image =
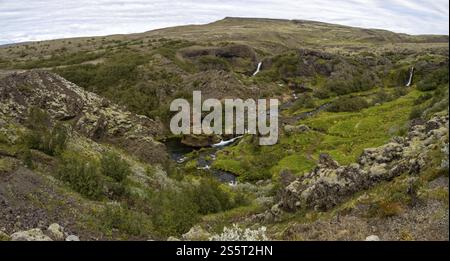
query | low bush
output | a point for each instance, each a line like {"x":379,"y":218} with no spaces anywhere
{"x":423,"y":98}
{"x":114,"y":167}
{"x":42,"y":135}
{"x":126,"y":221}
{"x":210,"y":198}
{"x":304,"y":101}
{"x":416,"y":113}
{"x":433,"y":80}
{"x":81,"y":174}
{"x":348,"y":104}
{"x":381,"y":97}
{"x":174,"y":212}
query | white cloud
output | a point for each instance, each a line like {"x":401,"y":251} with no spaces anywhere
{"x":25,"y":20}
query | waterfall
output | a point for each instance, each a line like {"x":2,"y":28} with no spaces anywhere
{"x":258,"y":68}
{"x":224,"y":143}
{"x":411,"y":74}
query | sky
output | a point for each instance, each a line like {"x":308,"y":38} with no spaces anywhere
{"x":34,"y":20}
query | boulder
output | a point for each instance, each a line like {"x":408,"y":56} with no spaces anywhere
{"x":290,"y":129}
{"x":30,"y":235}
{"x":432,"y":125}
{"x":173,"y":239}
{"x":72,"y":238}
{"x":378,"y":170}
{"x":56,"y":231}
{"x":196,"y":233}
{"x":325,"y":161}
{"x":372,"y":238}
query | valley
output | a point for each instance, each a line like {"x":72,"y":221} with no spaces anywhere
{"x":362,"y":151}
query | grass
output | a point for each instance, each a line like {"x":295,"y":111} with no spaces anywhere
{"x":343,"y":135}
{"x":60,"y":60}
{"x":6,"y":165}
{"x":347,"y":134}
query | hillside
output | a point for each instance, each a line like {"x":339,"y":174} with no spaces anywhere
{"x":363,"y":146}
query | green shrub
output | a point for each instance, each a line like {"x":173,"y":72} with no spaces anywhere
{"x":81,"y":174}
{"x":400,"y":91}
{"x":416,"y":113}
{"x":58,"y":60}
{"x":27,"y":158}
{"x":423,"y":98}
{"x":115,"y":167}
{"x":42,"y":136}
{"x":382,"y":96}
{"x":348,"y":104}
{"x":173,"y":212}
{"x":210,"y":198}
{"x":427,"y":85}
{"x":304,"y":101}
{"x":322,"y":93}
{"x":287,"y":66}
{"x":117,"y":191}
{"x":126,"y":221}
{"x":433,"y":80}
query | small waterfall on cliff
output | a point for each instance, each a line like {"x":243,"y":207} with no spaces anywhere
{"x":224,"y":143}
{"x":411,"y":74}
{"x":258,"y":68}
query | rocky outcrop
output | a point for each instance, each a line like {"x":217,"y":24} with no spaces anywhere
{"x":56,"y":231}
{"x":330,"y":183}
{"x":291,"y":129}
{"x":72,"y":238}
{"x":196,"y":233}
{"x":372,"y":238}
{"x":53,"y":232}
{"x":89,"y":114}
{"x":240,"y":57}
{"x":227,"y":52}
{"x":35,"y":234}
{"x":200,"y":141}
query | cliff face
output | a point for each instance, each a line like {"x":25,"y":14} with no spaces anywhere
{"x":89,"y":114}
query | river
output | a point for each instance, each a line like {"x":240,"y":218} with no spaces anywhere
{"x":205,"y":157}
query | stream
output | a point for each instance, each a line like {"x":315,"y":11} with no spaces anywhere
{"x":303,"y":115}
{"x":206,"y":156}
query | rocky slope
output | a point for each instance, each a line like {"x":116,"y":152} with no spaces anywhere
{"x":330,"y":184}
{"x":89,"y":114}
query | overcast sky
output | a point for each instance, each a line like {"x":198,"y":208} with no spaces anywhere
{"x":28,"y":20}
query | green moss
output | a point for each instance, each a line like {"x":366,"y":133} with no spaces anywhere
{"x":229,"y":165}
{"x":191,"y":165}
{"x":296,"y":163}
